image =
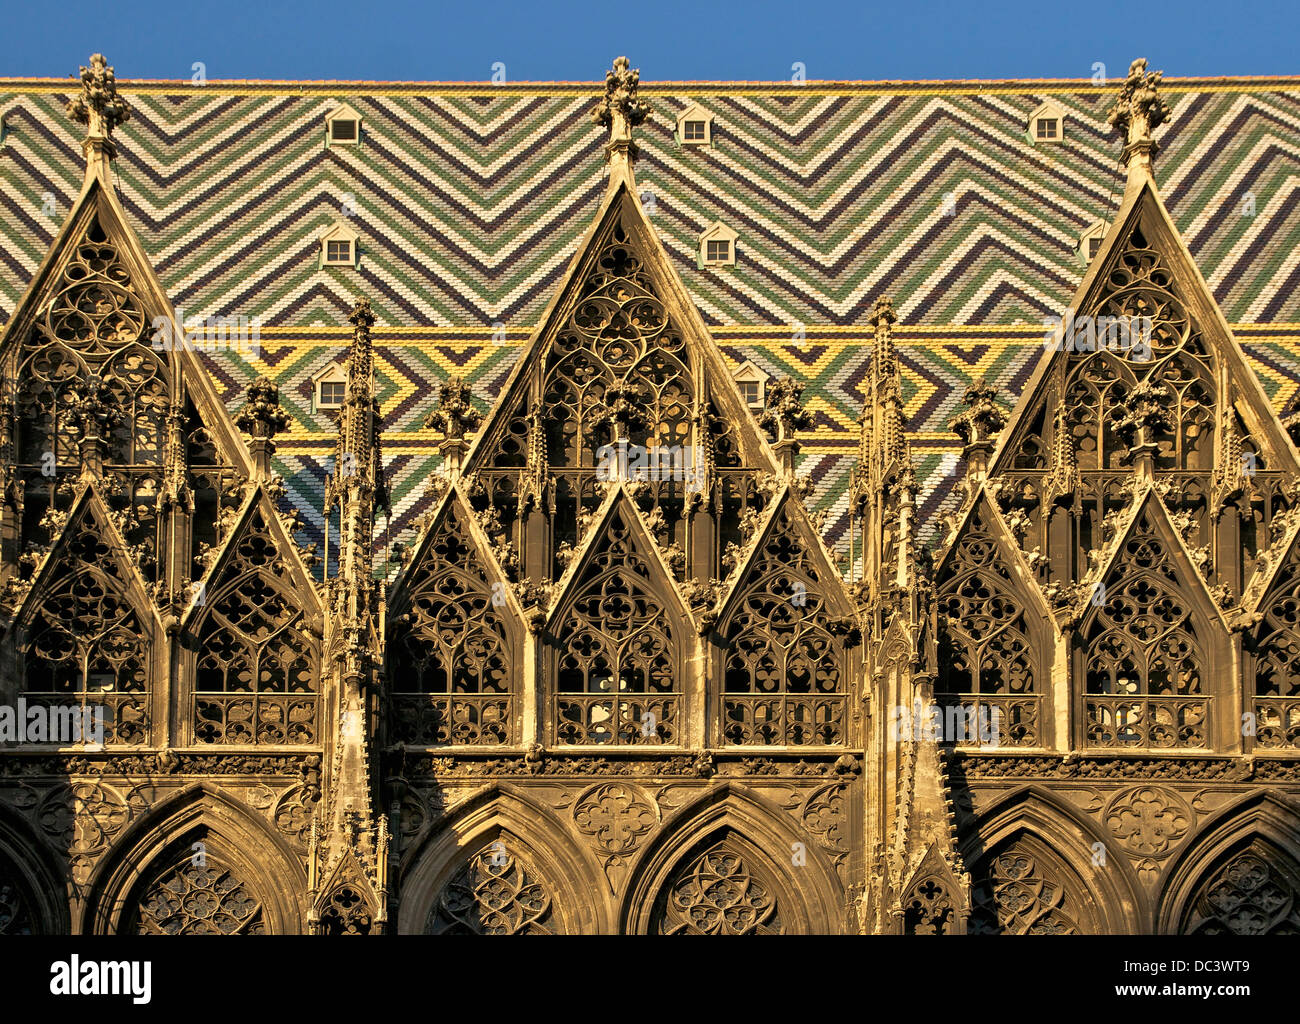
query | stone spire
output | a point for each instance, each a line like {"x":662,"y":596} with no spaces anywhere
{"x":1138,"y":111}
{"x":884,"y":483}
{"x":886,"y":397}
{"x":356,"y":485}
{"x":100,"y":109}
{"x":348,"y":854}
{"x":620,"y":110}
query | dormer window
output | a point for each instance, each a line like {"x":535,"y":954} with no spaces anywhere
{"x":717,"y":246}
{"x":338,"y":246}
{"x":329,"y":385}
{"x":1047,"y":124}
{"x":752,"y":383}
{"x":694,"y":126}
{"x":1090,"y":242}
{"x":343,"y":127}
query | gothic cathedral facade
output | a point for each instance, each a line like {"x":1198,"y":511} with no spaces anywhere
{"x":619,"y":683}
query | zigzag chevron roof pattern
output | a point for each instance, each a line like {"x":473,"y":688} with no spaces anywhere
{"x":469,"y":201}
{"x":468,"y":205}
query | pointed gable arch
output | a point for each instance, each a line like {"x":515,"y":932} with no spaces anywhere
{"x":252,"y":636}
{"x":1152,"y":646}
{"x":617,"y":639}
{"x":346,"y":906}
{"x":621,"y":316}
{"x":456,"y":638}
{"x":781,"y":640}
{"x":546,"y":880}
{"x":96,"y":307}
{"x":1030,"y":857}
{"x":107,"y":383}
{"x":933,"y":900}
{"x":724,"y":840}
{"x":1143,"y":330}
{"x":249,"y":881}
{"x":86,"y":629}
{"x":1145,"y":271}
{"x":620,"y":350}
{"x":1239,"y":875}
{"x":1272,"y":650}
{"x":995,"y":633}
{"x":617,"y":332}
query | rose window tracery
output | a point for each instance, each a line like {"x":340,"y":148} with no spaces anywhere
{"x":495,"y":893}
{"x":716,"y":894}
{"x":199,"y":900}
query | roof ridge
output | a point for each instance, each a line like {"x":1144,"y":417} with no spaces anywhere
{"x":666,"y":85}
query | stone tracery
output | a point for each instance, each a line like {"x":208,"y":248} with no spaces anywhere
{"x":656,"y":638}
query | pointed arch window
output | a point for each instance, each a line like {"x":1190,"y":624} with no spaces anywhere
{"x":450,"y":653}
{"x":189,"y":895}
{"x":783,"y":660}
{"x":1273,"y":654}
{"x":1141,"y":654}
{"x":256,"y":664}
{"x":616,"y":650}
{"x":988,"y":669}
{"x":717,"y":892}
{"x":85,"y":645}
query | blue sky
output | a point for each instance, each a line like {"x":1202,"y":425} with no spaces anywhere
{"x":667,"y":39}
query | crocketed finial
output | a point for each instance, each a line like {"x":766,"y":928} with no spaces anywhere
{"x":100,"y":109}
{"x":620,"y":110}
{"x":1139,"y":110}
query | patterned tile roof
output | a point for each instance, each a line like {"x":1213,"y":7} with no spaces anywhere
{"x":469,"y":200}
